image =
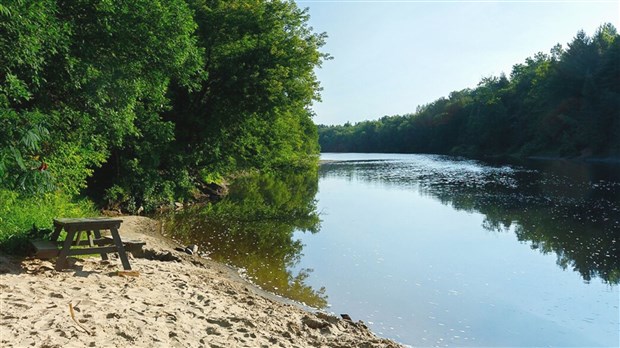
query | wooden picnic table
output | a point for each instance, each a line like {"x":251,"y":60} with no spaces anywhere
{"x":75,"y":229}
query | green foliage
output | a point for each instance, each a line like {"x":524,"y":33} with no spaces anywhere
{"x":252,"y":110}
{"x":21,"y":216}
{"x":562,"y":104}
{"x":149,"y":98}
{"x":117,"y":76}
{"x":21,"y":140}
{"x":123,"y":56}
{"x":29,"y":36}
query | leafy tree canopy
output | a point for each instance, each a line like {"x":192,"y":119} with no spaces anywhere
{"x":140,"y":101}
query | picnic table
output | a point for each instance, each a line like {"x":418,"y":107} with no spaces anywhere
{"x":75,"y":229}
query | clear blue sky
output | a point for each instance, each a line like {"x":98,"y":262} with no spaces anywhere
{"x":391,"y":56}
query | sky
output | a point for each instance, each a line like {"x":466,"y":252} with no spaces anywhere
{"x":390,"y":56}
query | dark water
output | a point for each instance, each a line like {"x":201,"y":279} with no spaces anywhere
{"x":432,"y":250}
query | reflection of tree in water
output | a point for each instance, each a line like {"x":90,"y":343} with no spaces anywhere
{"x":583,"y":234}
{"x":576,"y":217}
{"x":253,"y":226}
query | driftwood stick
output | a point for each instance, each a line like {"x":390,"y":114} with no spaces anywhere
{"x":73,"y":317}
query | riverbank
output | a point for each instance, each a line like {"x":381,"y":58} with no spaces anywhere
{"x":177,"y":300}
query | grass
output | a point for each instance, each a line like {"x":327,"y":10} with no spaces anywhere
{"x":24,"y":217}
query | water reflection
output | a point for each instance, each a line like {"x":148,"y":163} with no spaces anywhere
{"x":252,"y":228}
{"x":570,"y":209}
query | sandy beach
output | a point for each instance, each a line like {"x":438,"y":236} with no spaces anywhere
{"x":176,"y":300}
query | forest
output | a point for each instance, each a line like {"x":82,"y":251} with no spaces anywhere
{"x":562,"y":104}
{"x":135,"y":104}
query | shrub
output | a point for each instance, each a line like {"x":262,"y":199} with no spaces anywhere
{"x":22,"y":217}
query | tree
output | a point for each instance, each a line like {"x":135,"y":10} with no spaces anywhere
{"x":30,"y":36}
{"x":93,"y":75}
{"x":253,"y":109}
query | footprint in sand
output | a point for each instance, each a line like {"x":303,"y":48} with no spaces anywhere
{"x":221,"y":322}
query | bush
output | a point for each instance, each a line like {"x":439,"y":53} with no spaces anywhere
{"x":22,"y":217}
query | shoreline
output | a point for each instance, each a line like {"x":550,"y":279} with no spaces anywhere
{"x":611,"y":160}
{"x":177,"y":300}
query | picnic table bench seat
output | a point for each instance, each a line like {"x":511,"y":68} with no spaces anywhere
{"x":47,"y":249}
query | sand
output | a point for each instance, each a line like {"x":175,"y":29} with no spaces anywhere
{"x":177,"y":300}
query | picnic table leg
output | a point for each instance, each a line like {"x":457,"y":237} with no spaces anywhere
{"x":66,"y":246}
{"x":121,"y":249}
{"x":56,"y":234}
{"x":104,"y":256}
{"x":91,"y":242}
{"x":78,"y":238}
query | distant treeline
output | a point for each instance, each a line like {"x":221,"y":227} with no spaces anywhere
{"x":565,"y":103}
{"x":139,"y":102}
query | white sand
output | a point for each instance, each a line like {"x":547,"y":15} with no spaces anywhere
{"x":191,"y":302}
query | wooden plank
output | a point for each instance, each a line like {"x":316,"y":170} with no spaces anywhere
{"x":91,"y":240}
{"x":61,"y":262}
{"x":131,"y":245}
{"x":44,"y":244}
{"x":121,"y":249}
{"x":84,"y":224}
{"x":96,"y":242}
{"x":48,"y":244}
{"x":128,"y":242}
{"x":89,"y":251}
{"x":45,"y":249}
{"x":65,"y":221}
{"x":97,"y":233}
{"x":78,"y":237}
{"x":56,"y":234}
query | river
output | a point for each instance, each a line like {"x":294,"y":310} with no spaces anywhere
{"x":432,"y":250}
